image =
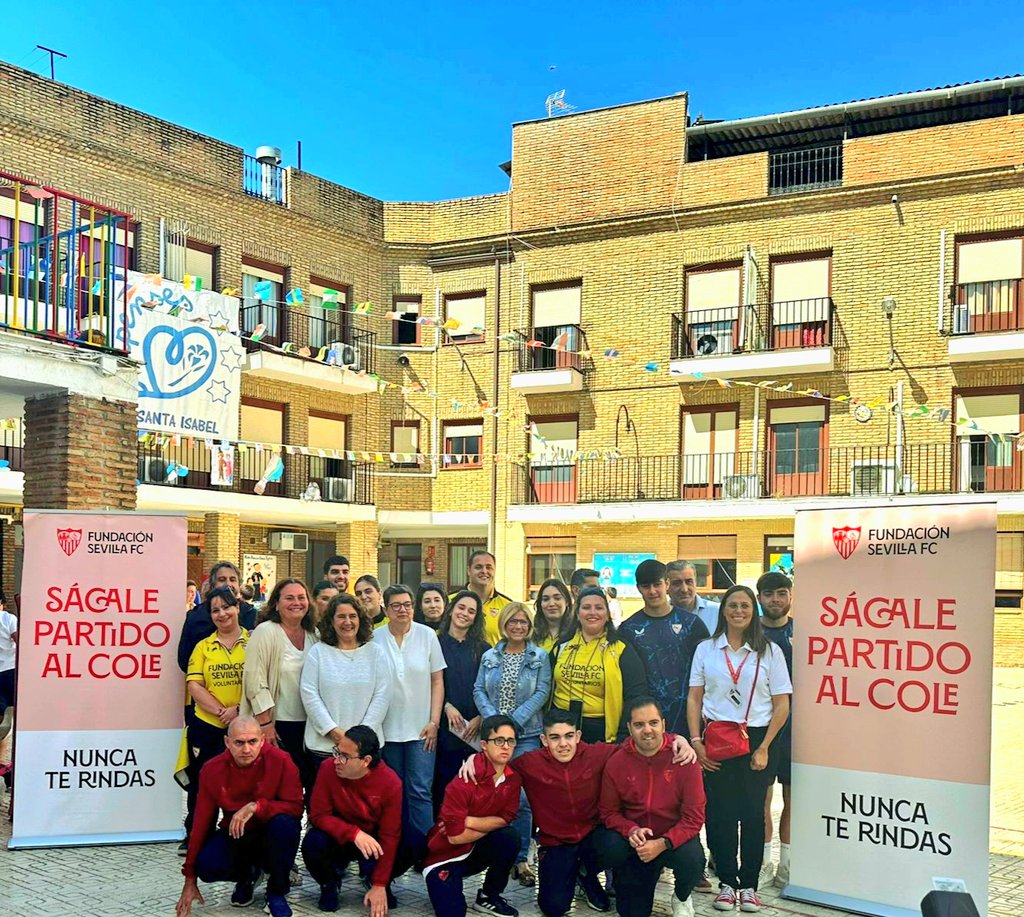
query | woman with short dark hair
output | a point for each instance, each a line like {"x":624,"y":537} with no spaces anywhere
{"x":430,"y":605}
{"x":346,"y":679}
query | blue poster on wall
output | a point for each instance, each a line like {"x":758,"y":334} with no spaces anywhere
{"x":619,"y":570}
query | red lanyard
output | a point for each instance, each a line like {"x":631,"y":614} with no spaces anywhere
{"x":734,"y":673}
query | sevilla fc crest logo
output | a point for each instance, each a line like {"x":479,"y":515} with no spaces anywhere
{"x":846,"y":539}
{"x":69,"y":540}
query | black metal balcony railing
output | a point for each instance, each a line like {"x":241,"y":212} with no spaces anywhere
{"x":746,"y":329}
{"x":353,"y":347}
{"x":263,"y":180}
{"x":550,"y":347}
{"x":11,"y":450}
{"x":339,"y":480}
{"x":856,"y":471}
{"x":805,"y":170}
{"x":986,"y":306}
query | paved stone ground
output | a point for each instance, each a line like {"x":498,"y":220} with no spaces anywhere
{"x":145,"y":879}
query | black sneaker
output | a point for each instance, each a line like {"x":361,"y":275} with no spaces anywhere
{"x":183,"y":848}
{"x":493,"y":904}
{"x":242,"y":895}
{"x":328,"y":897}
{"x":597,"y":898}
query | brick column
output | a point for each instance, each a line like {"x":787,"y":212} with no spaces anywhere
{"x":80,"y":453}
{"x":358,"y":542}
{"x":222,"y":539}
{"x":509,"y":553}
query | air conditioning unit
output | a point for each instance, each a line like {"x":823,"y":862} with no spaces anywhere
{"x":338,"y":490}
{"x":874,"y":477}
{"x":289,"y":541}
{"x":153,"y":471}
{"x":741,"y":486}
{"x":349,"y":355}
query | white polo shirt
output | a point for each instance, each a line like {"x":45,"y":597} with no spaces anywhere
{"x":412,"y":663}
{"x":711,"y":672}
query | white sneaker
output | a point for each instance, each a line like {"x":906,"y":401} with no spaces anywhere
{"x":782,"y":876}
{"x":767,"y":873}
{"x":682,"y":908}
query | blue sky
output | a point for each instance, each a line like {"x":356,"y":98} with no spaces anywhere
{"x":415,"y":101}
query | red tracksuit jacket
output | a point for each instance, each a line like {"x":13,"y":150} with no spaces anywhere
{"x":271,"y":781}
{"x":653,"y":793}
{"x":342,"y":808}
{"x":479,"y":800}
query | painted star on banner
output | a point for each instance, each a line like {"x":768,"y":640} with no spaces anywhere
{"x":230,"y":358}
{"x":218,"y":391}
{"x":219,"y":318}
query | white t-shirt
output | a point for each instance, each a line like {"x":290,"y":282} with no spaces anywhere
{"x":418,"y":657}
{"x":8,"y":627}
{"x":289,"y":698}
{"x":710,"y":671}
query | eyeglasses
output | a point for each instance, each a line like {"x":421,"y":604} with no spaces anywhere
{"x":341,"y":756}
{"x":515,"y":622}
{"x":501,"y":742}
{"x":400,"y":606}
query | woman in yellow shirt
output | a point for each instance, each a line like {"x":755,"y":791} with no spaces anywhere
{"x":214,"y":682}
{"x":595,"y":674}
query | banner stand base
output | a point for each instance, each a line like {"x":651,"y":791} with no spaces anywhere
{"x":843,"y":903}
{"x":175,"y":835}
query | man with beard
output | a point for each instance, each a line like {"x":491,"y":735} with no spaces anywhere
{"x":775,"y":595}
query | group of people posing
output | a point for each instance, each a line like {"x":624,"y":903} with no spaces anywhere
{"x":445,"y":732}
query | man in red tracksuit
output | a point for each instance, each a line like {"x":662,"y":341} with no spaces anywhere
{"x":653,"y":811}
{"x":473,"y":831}
{"x":355,"y":813}
{"x":562,"y":780}
{"x":257,"y":787}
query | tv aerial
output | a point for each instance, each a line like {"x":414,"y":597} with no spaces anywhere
{"x":555,"y":104}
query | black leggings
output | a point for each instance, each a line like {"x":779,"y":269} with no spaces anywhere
{"x":735,"y":802}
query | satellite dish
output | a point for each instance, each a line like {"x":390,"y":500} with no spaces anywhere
{"x":707,"y":344}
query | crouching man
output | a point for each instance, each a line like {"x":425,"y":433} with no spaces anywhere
{"x":257,"y":788}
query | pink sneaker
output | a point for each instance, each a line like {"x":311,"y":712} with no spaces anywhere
{"x":749,"y":902}
{"x":726,"y":899}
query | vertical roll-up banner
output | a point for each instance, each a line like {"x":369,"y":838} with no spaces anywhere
{"x":892,"y":705}
{"x":99,"y":702}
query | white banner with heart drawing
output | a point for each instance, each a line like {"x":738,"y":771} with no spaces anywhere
{"x":187,"y":341}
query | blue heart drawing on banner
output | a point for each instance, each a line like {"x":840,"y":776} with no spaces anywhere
{"x":188,"y":358}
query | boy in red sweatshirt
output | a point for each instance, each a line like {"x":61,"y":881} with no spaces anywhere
{"x":257,"y":787}
{"x":653,"y":811}
{"x":355,"y":813}
{"x":473,"y":831}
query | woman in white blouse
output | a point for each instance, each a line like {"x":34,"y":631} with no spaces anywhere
{"x":346,"y":679}
{"x":414,"y":714}
{"x":273,"y":668}
{"x":738,"y":676}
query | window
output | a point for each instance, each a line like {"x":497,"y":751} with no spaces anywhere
{"x":987,"y":463}
{"x":463,"y":444}
{"x":801,"y":303}
{"x":468,"y":310}
{"x":988,"y":293}
{"x":556,"y":321}
{"x":260,"y":422}
{"x":778,"y":553}
{"x":328,"y":322}
{"x":708,"y":449}
{"x":549,"y":558}
{"x":328,"y":432}
{"x":200,"y":261}
{"x":410,"y":564}
{"x":712,"y":312}
{"x":458,"y":561}
{"x":552,"y":447}
{"x":405,"y":439}
{"x":266,"y":309}
{"x":713,"y":558}
{"x":1009,"y":569}
{"x":406,"y":328}
{"x":797,"y":440}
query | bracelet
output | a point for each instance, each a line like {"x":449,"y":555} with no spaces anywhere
{"x":695,"y":741}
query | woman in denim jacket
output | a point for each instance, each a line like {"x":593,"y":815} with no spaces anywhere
{"x":515,"y":679}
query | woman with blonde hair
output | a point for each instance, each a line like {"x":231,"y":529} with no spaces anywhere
{"x":515,"y":680}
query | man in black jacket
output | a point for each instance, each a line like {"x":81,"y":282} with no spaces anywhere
{"x":198,"y":624}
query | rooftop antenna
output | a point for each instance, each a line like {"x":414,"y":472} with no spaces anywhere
{"x":555,"y":104}
{"x":52,"y":54}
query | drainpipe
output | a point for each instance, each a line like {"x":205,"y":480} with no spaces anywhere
{"x":492,"y":518}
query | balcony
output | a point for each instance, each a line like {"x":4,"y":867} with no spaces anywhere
{"x":739,"y":341}
{"x":264,"y":180}
{"x":986,"y":321}
{"x":548,"y":359}
{"x":339,"y":480}
{"x":302,"y":349}
{"x":969,"y":466}
{"x":812,"y":169}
